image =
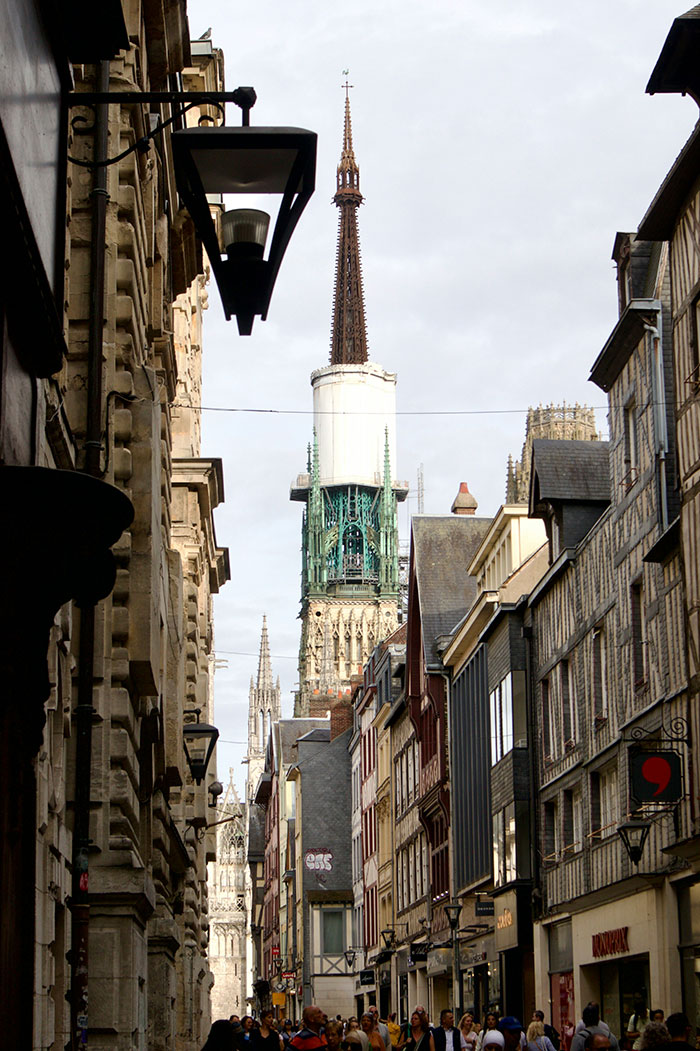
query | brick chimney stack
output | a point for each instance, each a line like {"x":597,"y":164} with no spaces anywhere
{"x":341,"y":716}
{"x":464,"y":503}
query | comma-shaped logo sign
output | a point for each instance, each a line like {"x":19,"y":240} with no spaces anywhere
{"x":319,"y":860}
{"x":655,"y":777}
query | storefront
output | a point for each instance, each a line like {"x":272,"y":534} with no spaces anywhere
{"x":561,"y":981}
{"x":481,"y":980}
{"x":439,"y":972}
{"x":625,"y":951}
{"x":689,"y":944}
{"x":513,"y":940}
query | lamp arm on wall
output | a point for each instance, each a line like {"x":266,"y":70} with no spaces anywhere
{"x":143,"y":144}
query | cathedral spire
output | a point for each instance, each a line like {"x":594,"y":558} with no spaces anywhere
{"x":349,"y":329}
{"x":264,"y":665}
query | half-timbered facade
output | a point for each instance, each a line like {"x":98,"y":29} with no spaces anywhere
{"x":674,"y":217}
{"x":609,"y":675}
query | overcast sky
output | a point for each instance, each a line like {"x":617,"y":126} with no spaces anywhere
{"x":501,"y":146}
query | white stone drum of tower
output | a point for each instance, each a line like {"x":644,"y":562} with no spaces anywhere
{"x":354,"y":407}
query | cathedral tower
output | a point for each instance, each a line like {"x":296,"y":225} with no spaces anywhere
{"x":264,"y":709}
{"x":350,"y":572}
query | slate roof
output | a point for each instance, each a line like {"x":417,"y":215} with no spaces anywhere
{"x":443,"y":547}
{"x":318,"y":734}
{"x":569,"y":470}
{"x":256,"y":831}
{"x":290,"y":730}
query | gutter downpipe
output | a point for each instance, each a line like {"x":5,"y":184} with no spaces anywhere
{"x":84,"y":712}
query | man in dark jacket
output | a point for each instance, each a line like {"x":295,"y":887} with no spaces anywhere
{"x":445,"y":1035}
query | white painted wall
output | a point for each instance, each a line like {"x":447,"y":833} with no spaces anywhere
{"x":353,"y":404}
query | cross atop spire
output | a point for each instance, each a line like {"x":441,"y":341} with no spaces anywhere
{"x":349,"y":329}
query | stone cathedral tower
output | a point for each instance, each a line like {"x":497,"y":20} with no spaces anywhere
{"x":264,"y":709}
{"x":350,"y":568}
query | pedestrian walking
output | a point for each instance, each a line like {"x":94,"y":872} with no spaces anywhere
{"x":638,"y":1021}
{"x":655,"y":1036}
{"x":490,"y":1026}
{"x":446,"y":1036}
{"x":309,"y":1037}
{"x":221,"y":1037}
{"x":418,"y":1037}
{"x":592,"y":1024}
{"x":266,"y":1037}
{"x":467,"y":1033}
{"x":549,"y":1030}
{"x":369,"y":1028}
{"x":536,"y":1038}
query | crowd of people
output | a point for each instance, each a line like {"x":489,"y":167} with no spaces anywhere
{"x":644,"y":1031}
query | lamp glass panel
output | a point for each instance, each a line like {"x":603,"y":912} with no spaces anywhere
{"x":244,"y":171}
{"x":249,"y":225}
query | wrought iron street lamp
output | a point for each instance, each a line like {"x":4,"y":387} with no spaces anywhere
{"x":199,"y":740}
{"x":634,"y":836}
{"x":350,"y":957}
{"x":245,"y":161}
{"x":222,"y":160}
{"x":453,"y":910}
{"x":388,"y":937}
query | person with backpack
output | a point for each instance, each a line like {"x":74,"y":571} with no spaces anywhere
{"x":592,"y":1025}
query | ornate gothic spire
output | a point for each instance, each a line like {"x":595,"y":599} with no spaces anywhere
{"x":349,"y":330}
{"x":264,"y":665}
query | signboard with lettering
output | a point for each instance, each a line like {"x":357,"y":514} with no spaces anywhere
{"x":367,"y":976}
{"x":506,"y":933}
{"x":610,"y":943}
{"x":483,"y":907}
{"x":275,"y":950}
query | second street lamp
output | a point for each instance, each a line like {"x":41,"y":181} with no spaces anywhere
{"x":453,"y":910}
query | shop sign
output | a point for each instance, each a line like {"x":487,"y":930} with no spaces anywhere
{"x":506,"y":921}
{"x":439,"y":961}
{"x":275,"y":950}
{"x":288,"y":976}
{"x":471,"y":957}
{"x":367,"y":976}
{"x":483,"y":907}
{"x":609,"y":943}
{"x":655,"y":776}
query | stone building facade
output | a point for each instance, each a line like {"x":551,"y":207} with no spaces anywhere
{"x":109,"y":268}
{"x":227,"y":878}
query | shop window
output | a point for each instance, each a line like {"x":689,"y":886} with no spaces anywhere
{"x":501,"y":709}
{"x":600,"y":689}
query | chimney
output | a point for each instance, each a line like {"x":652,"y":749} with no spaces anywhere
{"x":341,"y":717}
{"x":464,"y":503}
